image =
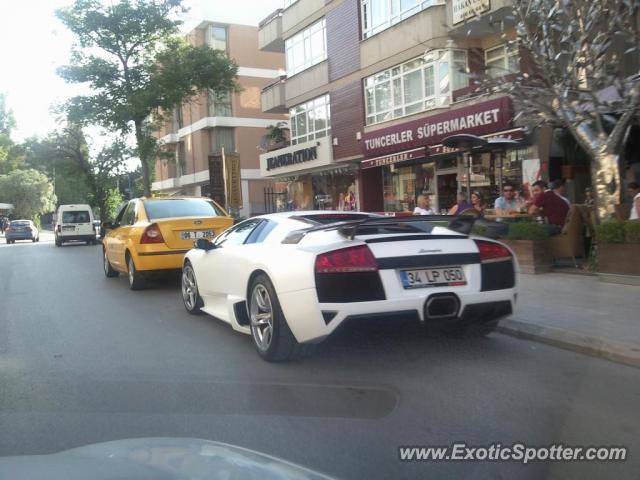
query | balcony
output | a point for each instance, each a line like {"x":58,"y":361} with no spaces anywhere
{"x":270,"y":33}
{"x":488,"y":18}
{"x":273,"y":97}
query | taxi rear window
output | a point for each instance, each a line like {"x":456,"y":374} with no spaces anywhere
{"x":181,"y":207}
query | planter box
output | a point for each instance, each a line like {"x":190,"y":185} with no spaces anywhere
{"x":619,"y":258}
{"x":533,"y":256}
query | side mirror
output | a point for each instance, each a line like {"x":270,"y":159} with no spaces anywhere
{"x":204,"y":244}
{"x":107,"y":226}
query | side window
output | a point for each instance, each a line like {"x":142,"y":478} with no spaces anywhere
{"x":129,"y":214}
{"x":238,"y":234}
{"x":261,"y":231}
{"x":118,"y":220}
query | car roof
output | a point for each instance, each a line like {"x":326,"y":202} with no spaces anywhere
{"x":78,"y":206}
{"x":182,"y":197}
{"x":22,"y":220}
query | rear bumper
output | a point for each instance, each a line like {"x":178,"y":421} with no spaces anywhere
{"x":70,"y":238}
{"x":159,"y":260}
{"x":315,"y":323}
{"x":20,"y":236}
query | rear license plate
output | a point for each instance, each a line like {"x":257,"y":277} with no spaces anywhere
{"x":68,"y":227}
{"x":433,"y":277}
{"x":196,"y":235}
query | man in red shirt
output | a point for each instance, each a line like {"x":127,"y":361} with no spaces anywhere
{"x":551,"y":205}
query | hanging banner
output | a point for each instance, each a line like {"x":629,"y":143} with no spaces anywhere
{"x":465,"y":9}
{"x":234,"y":181}
{"x":216,"y":179}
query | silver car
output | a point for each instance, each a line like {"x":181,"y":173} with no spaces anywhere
{"x":21,"y":230}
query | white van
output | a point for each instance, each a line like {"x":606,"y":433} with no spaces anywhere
{"x":74,"y":222}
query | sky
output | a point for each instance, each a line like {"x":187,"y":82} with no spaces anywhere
{"x":33,"y":43}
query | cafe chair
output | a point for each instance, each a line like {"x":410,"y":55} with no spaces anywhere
{"x":569,"y":243}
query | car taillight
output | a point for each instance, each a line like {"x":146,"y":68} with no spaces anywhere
{"x":350,"y":259}
{"x":152,"y":234}
{"x":492,"y":252}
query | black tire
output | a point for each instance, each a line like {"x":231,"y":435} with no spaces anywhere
{"x":106,"y":266}
{"x":58,"y":242}
{"x":189,"y":288}
{"x":34,"y":240}
{"x":137,"y":280}
{"x":282,"y":345}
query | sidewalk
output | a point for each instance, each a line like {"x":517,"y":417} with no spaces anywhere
{"x":579,"y":313}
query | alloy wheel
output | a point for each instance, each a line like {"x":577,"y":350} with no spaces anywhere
{"x":131,"y":271}
{"x":261,"y":313}
{"x":189,"y":288}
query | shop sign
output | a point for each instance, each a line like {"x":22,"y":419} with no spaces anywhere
{"x":479,"y":119}
{"x":515,"y":134}
{"x":296,"y":158}
{"x":395,"y":158}
{"x":464,"y":9}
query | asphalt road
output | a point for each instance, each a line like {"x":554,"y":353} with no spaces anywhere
{"x":85,"y":360}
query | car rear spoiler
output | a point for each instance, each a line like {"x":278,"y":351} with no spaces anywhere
{"x":458,"y":223}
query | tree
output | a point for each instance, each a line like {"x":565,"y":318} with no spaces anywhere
{"x":66,"y":152}
{"x":9,"y":158}
{"x":580,"y":54}
{"x":30,"y":191}
{"x":127,"y":52}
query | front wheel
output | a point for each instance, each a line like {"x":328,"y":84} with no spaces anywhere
{"x":190,"y":295}
{"x":271,"y":334}
{"x":106,"y":264}
{"x":137,"y":280}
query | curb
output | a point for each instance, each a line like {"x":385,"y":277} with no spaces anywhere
{"x":576,"y":342}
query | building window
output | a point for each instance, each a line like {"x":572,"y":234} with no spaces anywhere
{"x":219,"y":104}
{"x":378,"y":15}
{"x":222,"y":137}
{"x":502,"y":60}
{"x":310,"y":120}
{"x":306,"y":48}
{"x":415,"y":86}
{"x":217,"y":37}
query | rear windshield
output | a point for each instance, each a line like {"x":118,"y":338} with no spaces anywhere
{"x":19,"y":223}
{"x":80,"y":216}
{"x":181,"y":207}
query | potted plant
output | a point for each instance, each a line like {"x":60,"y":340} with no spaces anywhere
{"x":276,"y":136}
{"x":618,"y":247}
{"x":528,"y":240}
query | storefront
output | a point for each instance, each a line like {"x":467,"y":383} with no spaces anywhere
{"x":412,"y":161}
{"x":307,"y":178}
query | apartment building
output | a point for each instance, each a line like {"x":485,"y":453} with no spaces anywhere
{"x":373,"y":87}
{"x":235,"y":122}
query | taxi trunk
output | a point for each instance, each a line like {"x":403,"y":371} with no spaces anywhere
{"x":181,"y":233}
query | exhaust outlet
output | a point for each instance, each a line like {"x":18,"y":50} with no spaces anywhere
{"x":442,"y":306}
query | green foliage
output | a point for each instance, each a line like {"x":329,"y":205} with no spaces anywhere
{"x":610,"y":232}
{"x":136,"y":67}
{"x":30,"y":191}
{"x":480,"y":230}
{"x":114,"y":200}
{"x":527,"y":231}
{"x":632,"y":231}
{"x":10,"y":158}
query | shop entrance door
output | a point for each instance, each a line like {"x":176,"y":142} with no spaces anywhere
{"x":447,"y":190}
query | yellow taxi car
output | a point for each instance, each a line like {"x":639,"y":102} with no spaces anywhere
{"x":152,"y":234}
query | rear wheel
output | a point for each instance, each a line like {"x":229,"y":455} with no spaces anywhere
{"x":190,"y":294}
{"x":137,"y":280}
{"x":58,"y":241}
{"x":271,"y":334}
{"x":106,"y":264}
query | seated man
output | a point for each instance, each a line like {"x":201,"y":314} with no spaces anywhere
{"x":507,"y":204}
{"x":549,"y":204}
